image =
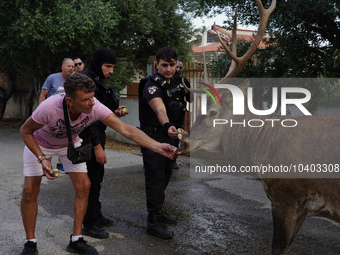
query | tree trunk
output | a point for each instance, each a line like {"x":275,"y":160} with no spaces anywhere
{"x":30,"y":101}
{"x":5,"y":96}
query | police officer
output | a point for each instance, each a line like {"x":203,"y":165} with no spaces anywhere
{"x":181,"y":97}
{"x":176,"y":100}
{"x":157,"y":93}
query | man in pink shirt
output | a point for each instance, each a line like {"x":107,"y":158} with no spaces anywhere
{"x":44,"y":134}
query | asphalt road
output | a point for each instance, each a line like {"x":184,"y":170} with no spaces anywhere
{"x":216,"y":216}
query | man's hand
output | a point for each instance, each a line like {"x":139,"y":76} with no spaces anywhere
{"x":168,"y":150}
{"x":120,"y":112}
{"x":172,"y":132}
{"x":47,"y":169}
{"x":100,"y":154}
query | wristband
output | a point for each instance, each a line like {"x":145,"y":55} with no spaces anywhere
{"x":39,"y":158}
{"x":166,"y":127}
{"x":43,"y":159}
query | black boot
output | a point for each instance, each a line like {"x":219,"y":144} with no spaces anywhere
{"x":95,"y":232}
{"x":167,"y":218}
{"x":156,"y":227}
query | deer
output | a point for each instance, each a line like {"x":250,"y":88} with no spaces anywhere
{"x":313,"y":141}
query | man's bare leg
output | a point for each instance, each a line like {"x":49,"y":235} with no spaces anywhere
{"x":81,"y":185}
{"x":29,"y":204}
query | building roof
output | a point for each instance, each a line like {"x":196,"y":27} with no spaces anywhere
{"x":210,"y":47}
{"x":212,"y":43}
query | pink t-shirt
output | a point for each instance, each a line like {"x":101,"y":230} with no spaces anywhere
{"x":50,"y":113}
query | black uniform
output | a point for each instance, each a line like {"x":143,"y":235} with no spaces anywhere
{"x":107,"y":96}
{"x":178,"y":98}
{"x":158,"y":169}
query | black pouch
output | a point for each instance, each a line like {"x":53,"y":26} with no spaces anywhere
{"x":80,"y":154}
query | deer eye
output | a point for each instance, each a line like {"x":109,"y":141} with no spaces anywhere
{"x":213,"y":113}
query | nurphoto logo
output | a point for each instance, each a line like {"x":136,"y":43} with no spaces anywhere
{"x":238,"y":100}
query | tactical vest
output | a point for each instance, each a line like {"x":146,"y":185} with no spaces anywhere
{"x":174,"y":101}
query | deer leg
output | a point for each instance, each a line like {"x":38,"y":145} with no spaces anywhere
{"x":300,"y":220}
{"x":287,"y":222}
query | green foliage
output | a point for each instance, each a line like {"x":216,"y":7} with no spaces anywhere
{"x":38,"y":35}
{"x":307,"y":32}
{"x":253,"y":68}
{"x":305,"y":40}
{"x":336,"y":56}
{"x":122,"y":74}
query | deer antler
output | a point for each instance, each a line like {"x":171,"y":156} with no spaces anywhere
{"x":190,"y":89}
{"x":239,"y":62}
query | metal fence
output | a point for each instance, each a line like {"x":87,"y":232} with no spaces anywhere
{"x":194,"y":72}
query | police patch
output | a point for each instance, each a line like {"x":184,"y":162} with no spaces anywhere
{"x":152,"y":89}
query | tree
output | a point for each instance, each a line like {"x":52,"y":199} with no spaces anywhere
{"x":304,"y":39}
{"x":38,"y":34}
{"x":306,"y":32}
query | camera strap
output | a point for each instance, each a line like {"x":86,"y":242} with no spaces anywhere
{"x":67,"y":122}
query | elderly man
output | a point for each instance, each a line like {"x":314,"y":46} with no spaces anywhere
{"x":44,"y":134}
{"x":54,"y":84}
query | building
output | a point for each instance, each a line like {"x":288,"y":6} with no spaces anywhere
{"x":212,"y":46}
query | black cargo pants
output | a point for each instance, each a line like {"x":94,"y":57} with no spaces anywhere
{"x":157,"y":170}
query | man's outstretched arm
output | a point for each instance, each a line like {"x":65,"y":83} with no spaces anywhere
{"x":140,"y":137}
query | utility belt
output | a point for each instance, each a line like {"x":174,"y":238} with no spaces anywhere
{"x":149,"y":130}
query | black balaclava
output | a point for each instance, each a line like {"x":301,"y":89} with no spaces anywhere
{"x":100,"y":57}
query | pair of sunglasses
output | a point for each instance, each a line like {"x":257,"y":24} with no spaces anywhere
{"x":78,"y":64}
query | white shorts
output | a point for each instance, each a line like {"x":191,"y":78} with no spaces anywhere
{"x":33,"y":168}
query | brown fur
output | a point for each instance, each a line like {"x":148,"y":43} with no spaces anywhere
{"x":315,"y":140}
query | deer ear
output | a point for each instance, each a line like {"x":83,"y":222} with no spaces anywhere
{"x":244,"y":86}
{"x":226,"y":98}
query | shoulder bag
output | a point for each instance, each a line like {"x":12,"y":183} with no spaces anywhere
{"x":76,"y":155}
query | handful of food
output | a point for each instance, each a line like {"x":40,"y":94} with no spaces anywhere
{"x":180,"y":133}
{"x":178,"y":151}
{"x":54,"y":173}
